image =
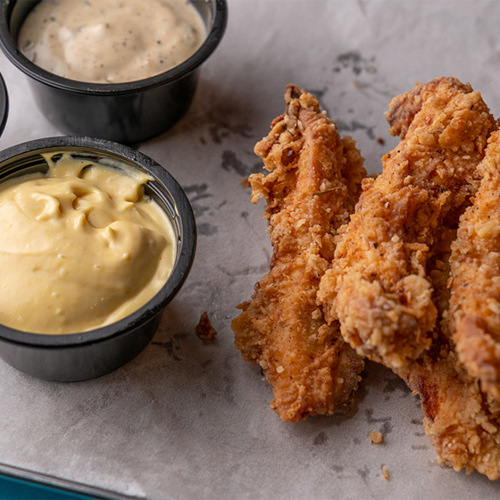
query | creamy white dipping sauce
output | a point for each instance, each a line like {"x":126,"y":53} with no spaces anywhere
{"x":111,"y":41}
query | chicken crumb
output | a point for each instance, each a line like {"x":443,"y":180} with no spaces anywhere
{"x":376,"y":437}
{"x":386,"y":474}
{"x":204,"y":328}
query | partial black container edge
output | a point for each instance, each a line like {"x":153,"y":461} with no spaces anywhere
{"x":129,"y":112}
{"x":86,"y":355}
{"x":4,"y":105}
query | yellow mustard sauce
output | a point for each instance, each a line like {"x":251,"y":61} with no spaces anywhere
{"x":80,"y":247}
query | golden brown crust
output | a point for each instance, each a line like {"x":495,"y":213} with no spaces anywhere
{"x":378,"y":285}
{"x":462,"y":423}
{"x":310,"y":189}
{"x":426,"y":185}
{"x":391,"y":268}
{"x":462,"y":420}
{"x":475,"y":278}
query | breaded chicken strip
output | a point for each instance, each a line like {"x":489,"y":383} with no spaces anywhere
{"x":312,"y":185}
{"x":378,"y":285}
{"x":475,"y":280}
{"x":462,"y":422}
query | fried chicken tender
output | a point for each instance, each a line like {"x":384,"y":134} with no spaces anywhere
{"x":475,"y":280}
{"x":462,"y":422}
{"x":312,"y":185}
{"x":378,"y":285}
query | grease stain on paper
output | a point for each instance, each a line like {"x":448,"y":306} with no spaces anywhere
{"x":354,"y":61}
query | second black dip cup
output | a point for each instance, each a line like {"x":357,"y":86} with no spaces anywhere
{"x":129,"y":112}
{"x":89,"y":354}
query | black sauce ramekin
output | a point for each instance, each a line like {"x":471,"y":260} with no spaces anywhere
{"x":85,"y":355}
{"x":129,"y":112}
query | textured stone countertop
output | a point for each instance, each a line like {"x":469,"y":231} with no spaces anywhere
{"x":191,"y":420}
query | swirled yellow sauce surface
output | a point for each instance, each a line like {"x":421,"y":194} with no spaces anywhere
{"x":80,"y":247}
{"x":111,"y":41}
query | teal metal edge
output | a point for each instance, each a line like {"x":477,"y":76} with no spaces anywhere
{"x":22,"y":484}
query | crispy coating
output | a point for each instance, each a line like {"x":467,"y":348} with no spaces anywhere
{"x":378,"y":286}
{"x":463,"y":423}
{"x":461,"y":420}
{"x":475,"y":279}
{"x":312,"y":185}
{"x":419,"y":199}
{"x":389,"y":281}
{"x":204,"y":328}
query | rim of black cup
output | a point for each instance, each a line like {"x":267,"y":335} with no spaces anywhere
{"x":4,"y":104}
{"x":11,"y":50}
{"x":163,"y":183}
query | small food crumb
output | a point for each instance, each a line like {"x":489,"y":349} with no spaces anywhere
{"x":376,"y":437}
{"x":204,"y":328}
{"x":386,"y":474}
{"x":381,"y":141}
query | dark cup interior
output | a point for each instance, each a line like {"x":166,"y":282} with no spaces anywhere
{"x":84,"y":355}
{"x":128,"y":112}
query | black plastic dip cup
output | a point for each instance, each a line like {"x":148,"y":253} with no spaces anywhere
{"x":128,"y":112}
{"x":85,"y":355}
